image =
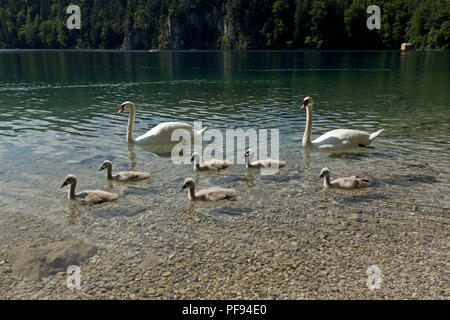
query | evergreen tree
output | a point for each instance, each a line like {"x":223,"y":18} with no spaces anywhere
{"x":225,"y":24}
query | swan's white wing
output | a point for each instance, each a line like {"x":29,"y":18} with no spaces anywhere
{"x":162,"y":132}
{"x":342,"y":139}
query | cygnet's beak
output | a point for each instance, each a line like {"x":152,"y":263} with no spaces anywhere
{"x":63,"y":184}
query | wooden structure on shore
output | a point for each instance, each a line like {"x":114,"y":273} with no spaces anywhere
{"x":407,"y":46}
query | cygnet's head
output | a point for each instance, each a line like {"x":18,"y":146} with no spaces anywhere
{"x":249,"y":153}
{"x":325,"y":172}
{"x":106,"y":164}
{"x":195,"y":156}
{"x":70,"y":179}
{"x":188,"y":183}
{"x":127,"y":105}
{"x":307,"y":102}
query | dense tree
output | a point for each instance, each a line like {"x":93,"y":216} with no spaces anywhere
{"x":225,"y":24}
{"x":430,"y":24}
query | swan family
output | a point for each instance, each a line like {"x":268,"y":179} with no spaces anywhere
{"x":339,"y":139}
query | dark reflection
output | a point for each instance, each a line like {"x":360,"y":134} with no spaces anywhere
{"x":350,"y":155}
{"x":132,"y":156}
{"x":190,"y":211}
{"x":74,"y":214}
{"x":410,"y":179}
{"x":249,"y":179}
{"x":359,"y":197}
{"x":196,"y":177}
{"x":230,"y":211}
{"x":307,"y":171}
{"x":161,"y":150}
{"x":109,"y":185}
{"x":324,"y":202}
{"x":110,"y":211}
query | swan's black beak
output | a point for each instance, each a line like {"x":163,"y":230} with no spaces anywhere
{"x":321,"y":176}
{"x":63,"y":184}
{"x":192,"y":159}
{"x":122,"y":109}
{"x":182,"y":188}
{"x":101,"y":168}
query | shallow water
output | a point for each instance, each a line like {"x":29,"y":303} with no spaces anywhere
{"x":59,"y":116}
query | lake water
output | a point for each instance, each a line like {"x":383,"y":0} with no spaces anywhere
{"x":58,"y":116}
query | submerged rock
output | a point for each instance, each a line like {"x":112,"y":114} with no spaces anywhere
{"x":36,"y":262}
{"x":151,"y":260}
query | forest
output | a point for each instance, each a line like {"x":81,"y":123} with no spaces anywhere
{"x":224,"y":24}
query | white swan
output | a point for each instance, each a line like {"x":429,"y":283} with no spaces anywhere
{"x":348,"y":183}
{"x":90,"y":196}
{"x":160,"y":134}
{"x":338,"y":139}
{"x":210,"y":194}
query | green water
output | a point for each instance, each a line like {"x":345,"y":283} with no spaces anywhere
{"x":58,"y":116}
{"x":59,"y":111}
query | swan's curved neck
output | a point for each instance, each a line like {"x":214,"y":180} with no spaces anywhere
{"x":109,"y":172}
{"x":306,"y":142}
{"x":196,"y":162}
{"x":72,"y":190}
{"x":130,"y":127}
{"x":192,"y":193}
{"x":249,"y":160}
{"x":326,"y":182}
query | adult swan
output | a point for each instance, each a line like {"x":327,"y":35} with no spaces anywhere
{"x":338,"y":139}
{"x":160,"y":134}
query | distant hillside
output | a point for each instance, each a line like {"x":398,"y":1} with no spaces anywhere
{"x":224,"y":24}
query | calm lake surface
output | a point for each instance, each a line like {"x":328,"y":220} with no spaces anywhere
{"x":58,"y":116}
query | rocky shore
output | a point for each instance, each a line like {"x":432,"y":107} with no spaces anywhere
{"x":291,"y":249}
